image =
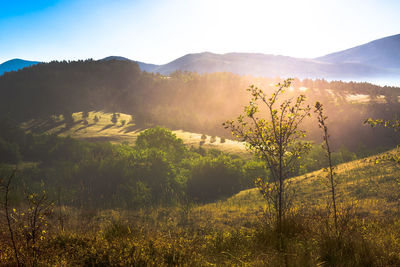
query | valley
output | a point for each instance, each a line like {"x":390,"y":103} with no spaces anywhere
{"x":209,"y":160}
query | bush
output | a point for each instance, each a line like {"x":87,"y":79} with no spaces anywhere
{"x":114,"y":118}
{"x":68,"y":118}
{"x":213,"y":178}
{"x":85,"y":115}
{"x":116,"y":230}
{"x":164,"y":140}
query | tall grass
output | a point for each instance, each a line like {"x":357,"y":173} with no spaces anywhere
{"x":235,"y":231}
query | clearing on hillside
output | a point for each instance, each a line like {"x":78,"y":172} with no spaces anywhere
{"x":99,"y":127}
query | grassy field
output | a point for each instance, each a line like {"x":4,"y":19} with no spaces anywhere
{"x":370,"y":184}
{"x":369,"y":188}
{"x":126,"y":132}
{"x":236,"y":231}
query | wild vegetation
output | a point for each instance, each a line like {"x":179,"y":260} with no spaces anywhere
{"x":187,"y":101}
{"x":231,"y":231}
{"x":82,"y":186}
{"x":276,"y":141}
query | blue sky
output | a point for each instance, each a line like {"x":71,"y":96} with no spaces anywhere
{"x":160,"y":31}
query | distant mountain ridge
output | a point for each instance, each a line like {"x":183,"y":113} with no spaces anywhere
{"x":382,"y":53}
{"x":143,"y":66}
{"x":15,"y":64}
{"x":271,"y":66}
{"x":376,"y":60}
{"x":379,"y":59}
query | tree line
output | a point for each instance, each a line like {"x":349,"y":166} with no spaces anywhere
{"x":183,"y":100}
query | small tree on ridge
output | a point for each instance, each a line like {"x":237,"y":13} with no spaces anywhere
{"x":275,"y":139}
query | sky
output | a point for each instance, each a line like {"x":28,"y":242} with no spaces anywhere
{"x":158,"y":32}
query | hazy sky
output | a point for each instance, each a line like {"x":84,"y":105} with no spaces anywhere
{"x":160,"y":31}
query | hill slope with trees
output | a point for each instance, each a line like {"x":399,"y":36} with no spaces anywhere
{"x":188,"y":101}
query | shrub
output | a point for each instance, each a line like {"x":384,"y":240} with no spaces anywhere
{"x":68,"y":118}
{"x":85,"y":115}
{"x":164,"y":140}
{"x":213,"y":139}
{"x":214,"y":177}
{"x":114,"y":118}
{"x":116,"y":230}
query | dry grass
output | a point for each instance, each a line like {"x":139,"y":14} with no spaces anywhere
{"x":233,"y":231}
{"x":105,"y":130}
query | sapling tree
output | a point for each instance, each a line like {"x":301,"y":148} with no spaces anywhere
{"x":6,"y":186}
{"x":203,"y":139}
{"x":27,"y":226}
{"x":331,"y":174}
{"x":68,"y":118}
{"x":34,"y":221}
{"x":271,"y":129}
{"x":85,"y":115}
{"x":114,"y":118}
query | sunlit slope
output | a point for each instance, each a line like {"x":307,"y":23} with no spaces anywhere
{"x":366,"y":186}
{"x":369,"y":184}
{"x":123,"y":131}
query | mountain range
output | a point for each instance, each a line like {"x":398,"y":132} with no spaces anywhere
{"x":16,"y":64}
{"x":376,"y":60}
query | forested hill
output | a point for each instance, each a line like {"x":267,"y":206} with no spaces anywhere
{"x":15,"y":64}
{"x":377,"y":61}
{"x":188,"y":101}
{"x":274,"y":65}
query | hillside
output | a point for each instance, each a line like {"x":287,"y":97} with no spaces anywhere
{"x":123,"y":132}
{"x":368,"y":182}
{"x":143,"y":66}
{"x":192,"y":102}
{"x":268,"y":66}
{"x":272,"y":66}
{"x":381,"y":53}
{"x":228,"y":232}
{"x":372,"y":185}
{"x":15,"y":64}
{"x":368,"y":186}
{"x":377,"y":61}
